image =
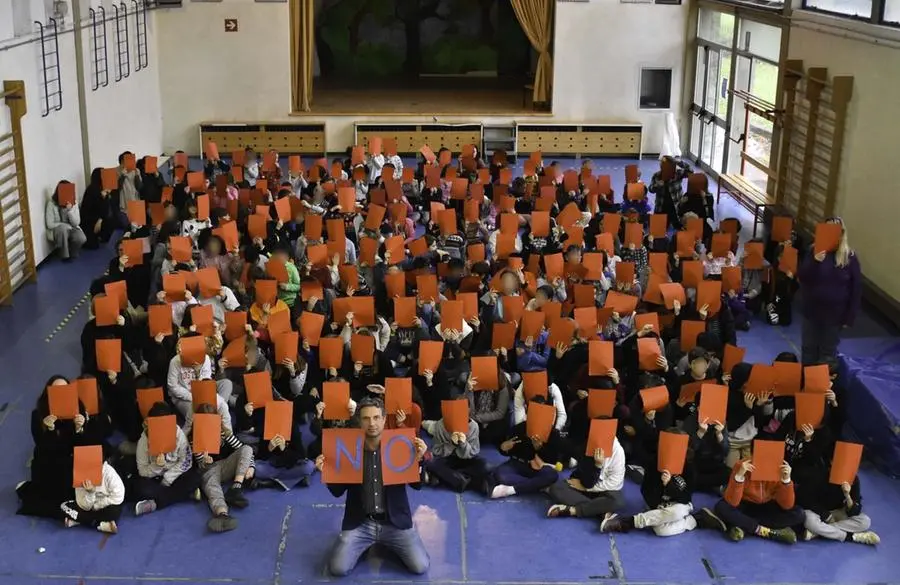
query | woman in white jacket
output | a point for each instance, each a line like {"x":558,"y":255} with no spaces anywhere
{"x":97,"y":506}
{"x":63,"y":224}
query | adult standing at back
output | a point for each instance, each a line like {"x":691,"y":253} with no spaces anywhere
{"x":374,"y":512}
{"x":831,"y":288}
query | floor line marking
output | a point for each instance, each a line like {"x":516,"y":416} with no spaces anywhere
{"x":282,"y":544}
{"x":8,"y":408}
{"x":616,"y":559}
{"x":463,"y":525}
{"x":65,"y":320}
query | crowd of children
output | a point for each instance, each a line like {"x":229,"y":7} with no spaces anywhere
{"x":539,"y":306}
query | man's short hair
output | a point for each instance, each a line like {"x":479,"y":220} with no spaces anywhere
{"x":369,"y":402}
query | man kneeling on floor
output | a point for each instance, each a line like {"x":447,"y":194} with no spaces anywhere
{"x":375,"y":513}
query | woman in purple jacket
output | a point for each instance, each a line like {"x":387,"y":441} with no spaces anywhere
{"x":831,"y":288}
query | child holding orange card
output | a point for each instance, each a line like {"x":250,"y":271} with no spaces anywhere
{"x":63,"y":222}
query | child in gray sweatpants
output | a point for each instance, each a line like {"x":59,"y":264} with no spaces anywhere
{"x":232,"y":465}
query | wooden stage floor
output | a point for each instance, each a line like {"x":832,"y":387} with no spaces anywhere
{"x":421,"y":101}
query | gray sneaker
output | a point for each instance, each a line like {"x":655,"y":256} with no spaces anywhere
{"x":145,"y":507}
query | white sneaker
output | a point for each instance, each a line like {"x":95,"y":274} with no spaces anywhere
{"x":606,"y":520}
{"x":503,"y":491}
{"x":867,"y":537}
{"x":108,"y":527}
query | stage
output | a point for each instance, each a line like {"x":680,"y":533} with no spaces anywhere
{"x":445,"y":96}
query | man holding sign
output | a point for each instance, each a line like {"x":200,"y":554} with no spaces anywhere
{"x":371,"y":466}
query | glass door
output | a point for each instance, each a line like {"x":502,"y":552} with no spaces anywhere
{"x":710,"y":106}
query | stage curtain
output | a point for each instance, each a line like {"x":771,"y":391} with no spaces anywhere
{"x":536,"y":18}
{"x":302,"y":54}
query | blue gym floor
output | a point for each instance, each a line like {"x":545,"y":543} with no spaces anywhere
{"x":284,"y":537}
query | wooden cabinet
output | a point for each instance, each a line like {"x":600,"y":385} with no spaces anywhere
{"x":285,"y":137}
{"x":580,"y":140}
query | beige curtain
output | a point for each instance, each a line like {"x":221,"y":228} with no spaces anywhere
{"x":536,"y":18}
{"x":302,"y":54}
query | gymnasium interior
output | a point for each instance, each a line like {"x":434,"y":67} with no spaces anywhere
{"x":786,"y":105}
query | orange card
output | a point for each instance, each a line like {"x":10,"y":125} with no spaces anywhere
{"x":235,"y":324}
{"x":540,"y":224}
{"x":470,"y":304}
{"x":207,"y":433}
{"x":631,"y":173}
{"x":671,"y":292}
{"x":109,"y":179}
{"x":88,"y":395}
{"x":485,"y":371}
{"x":787,"y":263}
{"x":109,"y":355}
{"x":562,"y":331}
{"x":181,"y":248}
{"x":258,"y":386}
{"x":162,"y":433}
{"x":688,"y":392}
{"x":767,"y":459}
{"x":635,"y":191}
{"x":362,"y":349}
{"x":810,"y":409}
{"x":343,"y":451}
{"x":535,"y":384}
{"x":503,"y":335}
{"x":398,"y":395}
{"x":692,"y":273}
{"x":405,"y":312}
{"x":399,"y":460}
{"x":203,"y":392}
{"x":601,"y":403}
{"x":336,"y":396}
{"x":672,"y":452}
{"x":430,"y":354}
{"x":713,"y":403}
{"x":286,"y":346}
{"x":427,"y":288}
{"x":203,"y":207}
{"x":147,"y":397}
{"x":601,"y":435}
{"x":451,"y":315}
{"x":782,"y":227}
{"x":621,"y":303}
{"x":236,"y":353}
{"x":192,"y":350}
{"x":134,"y":249}
{"x":754,"y":252}
{"x":65,"y":194}
{"x":787,"y":378}
{"x":331,"y":352}
{"x":586,"y":319}
{"x":845,"y":464}
{"x":689,"y":332}
{"x":266,"y":291}
{"x":279,"y":420}
{"x":209,"y":282}
{"x":648,"y":352}
{"x":625,"y":272}
{"x":733,"y":355}
{"x":513,"y":308}
{"x":87,"y":465}
{"x":816,"y":379}
{"x":311,"y":325}
{"x":762,"y":380}
{"x":651,"y":319}
{"x":610,"y":223}
{"x":202,"y":319}
{"x":828,"y":237}
{"x":634,"y":234}
{"x":600,"y":357}
{"x":106,"y":310}
{"x":137,"y":213}
{"x":63,"y":401}
{"x":709,"y":294}
{"x":721,"y":245}
{"x":731,"y":279}
{"x":659,"y":225}
{"x":684,"y":244}
{"x":654,"y":398}
{"x":455,"y":414}
{"x":531,"y":325}
{"x":539,"y":421}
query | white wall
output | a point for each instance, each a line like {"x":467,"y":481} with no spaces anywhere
{"x":599,"y":50}
{"x":867,"y":190}
{"x":122,"y":115}
{"x":211,"y":75}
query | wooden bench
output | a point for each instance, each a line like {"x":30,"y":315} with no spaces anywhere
{"x":746,"y":194}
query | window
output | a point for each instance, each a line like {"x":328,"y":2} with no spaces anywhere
{"x":760,"y":39}
{"x":656,"y":89}
{"x":853,"y":8}
{"x":716,"y":27}
{"x":891,"y":12}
